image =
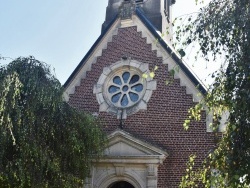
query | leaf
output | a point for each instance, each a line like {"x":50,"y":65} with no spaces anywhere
{"x":145,"y":76}
{"x":152,"y":74}
{"x":185,"y":126}
{"x":182,"y":52}
{"x":172,"y":72}
{"x":189,"y":41}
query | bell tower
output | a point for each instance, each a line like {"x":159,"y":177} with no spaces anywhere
{"x":158,"y":12}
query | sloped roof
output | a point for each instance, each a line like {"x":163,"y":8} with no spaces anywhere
{"x":195,"y":81}
{"x":73,"y":74}
{"x":153,"y":30}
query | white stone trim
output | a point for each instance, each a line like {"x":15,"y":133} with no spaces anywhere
{"x":70,"y":89}
{"x":140,"y":170}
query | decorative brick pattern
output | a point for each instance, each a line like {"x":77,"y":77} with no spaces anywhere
{"x":161,"y":123}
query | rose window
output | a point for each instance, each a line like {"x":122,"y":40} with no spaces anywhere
{"x":121,"y":90}
{"x":125,"y":89}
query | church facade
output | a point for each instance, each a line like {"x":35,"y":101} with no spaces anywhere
{"x":126,"y":80}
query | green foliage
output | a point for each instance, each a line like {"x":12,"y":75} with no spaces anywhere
{"x":151,"y":74}
{"x":44,"y":142}
{"x":222,"y":31}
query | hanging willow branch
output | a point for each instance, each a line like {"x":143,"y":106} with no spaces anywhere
{"x":44,"y":142}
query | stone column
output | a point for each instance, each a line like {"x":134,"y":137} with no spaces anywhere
{"x":88,"y":180}
{"x":152,"y":176}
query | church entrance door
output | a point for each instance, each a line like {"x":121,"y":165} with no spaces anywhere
{"x":121,"y":184}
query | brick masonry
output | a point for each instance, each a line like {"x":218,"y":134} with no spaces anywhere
{"x":161,"y":123}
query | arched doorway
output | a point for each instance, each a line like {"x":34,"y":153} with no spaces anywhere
{"x":121,"y":184}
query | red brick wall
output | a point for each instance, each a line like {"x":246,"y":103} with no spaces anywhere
{"x":161,"y":123}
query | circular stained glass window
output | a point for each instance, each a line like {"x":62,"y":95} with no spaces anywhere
{"x":121,"y":90}
{"x":125,"y":88}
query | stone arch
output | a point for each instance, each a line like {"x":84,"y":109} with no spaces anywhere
{"x":130,"y":177}
{"x":123,"y":184}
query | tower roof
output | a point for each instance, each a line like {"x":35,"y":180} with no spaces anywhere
{"x":158,"y":12}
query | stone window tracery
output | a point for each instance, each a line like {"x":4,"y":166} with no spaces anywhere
{"x":125,"y":89}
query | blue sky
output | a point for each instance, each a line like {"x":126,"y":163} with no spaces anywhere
{"x":58,"y":32}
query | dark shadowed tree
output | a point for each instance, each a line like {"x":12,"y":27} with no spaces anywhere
{"x":44,"y":142}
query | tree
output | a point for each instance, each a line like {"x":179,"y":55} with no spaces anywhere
{"x":222,"y":29}
{"x":44,"y":142}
